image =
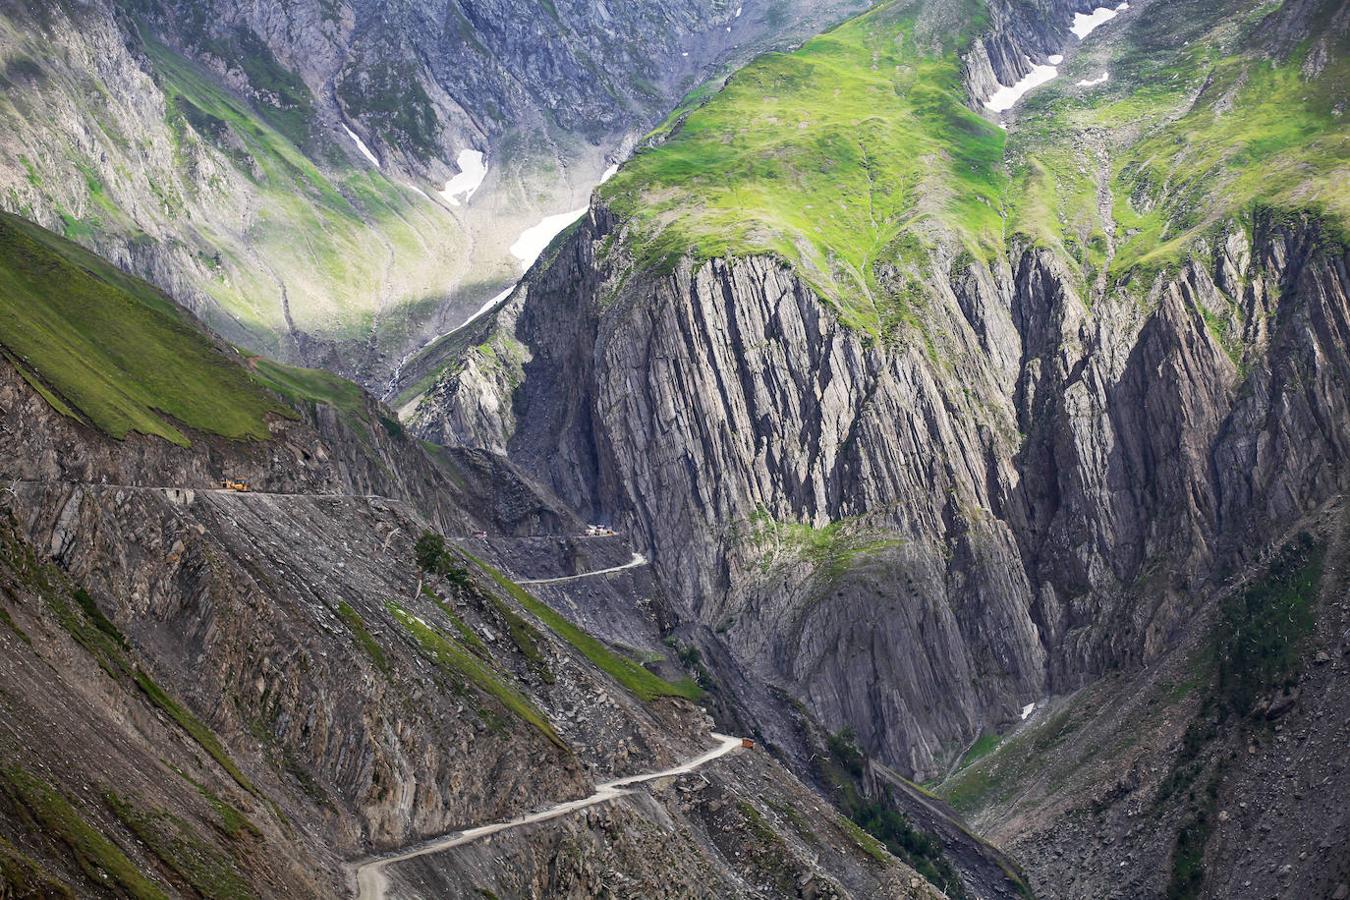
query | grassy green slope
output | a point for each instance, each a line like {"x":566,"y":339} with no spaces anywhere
{"x":847,"y":157}
{"x":1200,"y":122}
{"x":248,"y":195}
{"x":114,"y":349}
{"x":632,"y":675}
{"x":329,"y":233}
{"x":839,"y":158}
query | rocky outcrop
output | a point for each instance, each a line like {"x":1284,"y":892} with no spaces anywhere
{"x":921,"y":535}
{"x":1019,"y":36}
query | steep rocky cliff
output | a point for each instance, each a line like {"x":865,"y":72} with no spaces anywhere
{"x":1046,"y":519}
{"x":925,"y":458}
{"x":213,"y":692}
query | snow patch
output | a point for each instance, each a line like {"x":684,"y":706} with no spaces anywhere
{"x":532,"y":241}
{"x":361,"y":145}
{"x":486,"y":307}
{"x":1006,"y":97}
{"x":1027,"y":710}
{"x":1055,"y":59}
{"x":471,"y":175}
{"x":1085,"y":24}
{"x":1089,"y":82}
{"x":536,"y":238}
{"x":738,"y":11}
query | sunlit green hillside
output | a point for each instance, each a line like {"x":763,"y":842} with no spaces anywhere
{"x":841,"y":157}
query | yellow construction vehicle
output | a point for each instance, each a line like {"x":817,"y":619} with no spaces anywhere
{"x":232,"y":485}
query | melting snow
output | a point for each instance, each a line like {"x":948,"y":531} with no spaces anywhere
{"x":1085,"y":24}
{"x":1006,"y":97}
{"x":471,"y":175}
{"x":1055,"y":60}
{"x":1027,"y":710}
{"x":532,"y":240}
{"x":1089,"y":82}
{"x":361,"y":145}
{"x":486,"y":307}
{"x":536,"y":238}
{"x":738,"y":11}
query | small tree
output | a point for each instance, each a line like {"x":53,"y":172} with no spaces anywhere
{"x":430,"y":552}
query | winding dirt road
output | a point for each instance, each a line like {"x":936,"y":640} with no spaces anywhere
{"x":371,"y":881}
{"x":637,"y":560}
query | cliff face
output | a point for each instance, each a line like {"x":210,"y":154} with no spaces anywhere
{"x":920,"y":539}
{"x":210,"y":692}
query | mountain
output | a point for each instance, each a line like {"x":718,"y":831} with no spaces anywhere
{"x":955,"y":423}
{"x":334,"y":183}
{"x":226,"y":693}
{"x":913,"y":464}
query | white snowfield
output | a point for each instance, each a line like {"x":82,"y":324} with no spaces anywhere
{"x":532,"y":240}
{"x":536,"y":238}
{"x":486,"y":307}
{"x":1100,"y":79}
{"x":371,"y":882}
{"x":1028,"y":709}
{"x":472,"y":171}
{"x":1086,"y":23}
{"x":1005,"y":98}
{"x":361,"y":145}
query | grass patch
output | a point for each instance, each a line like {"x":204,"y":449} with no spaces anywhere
{"x":456,"y":660}
{"x":38,"y":805}
{"x":632,"y":675}
{"x":195,"y":728}
{"x":1187,"y":875}
{"x":233,"y":823}
{"x":24,"y":877}
{"x":466,"y":635}
{"x":1262,"y":628}
{"x":100,"y":621}
{"x":310,"y":386}
{"x":1208,"y":126}
{"x":363,"y":637}
{"x":984,"y":745}
{"x":14,"y":627}
{"x":841,"y":158}
{"x":114,"y":348}
{"x":522,"y":633}
{"x":830,"y":550}
{"x":210,"y":874}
